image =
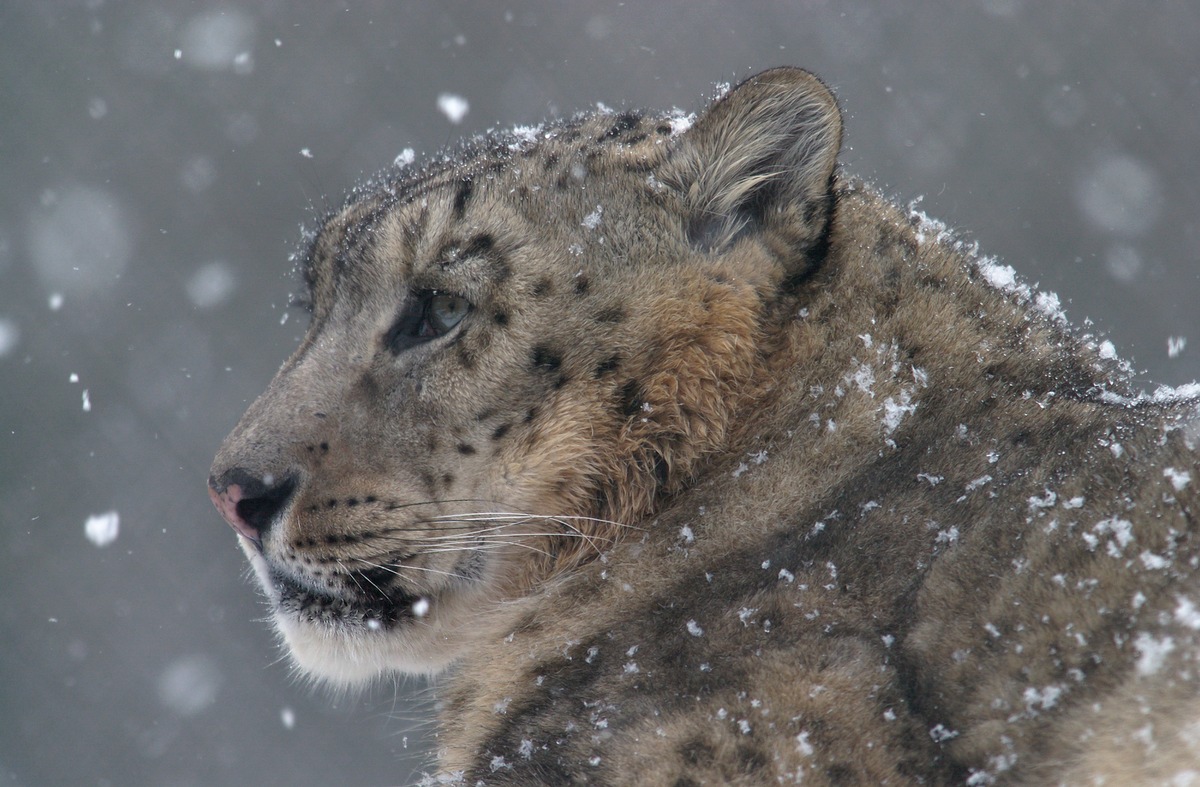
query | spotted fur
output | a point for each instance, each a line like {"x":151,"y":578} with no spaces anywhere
{"x":734,"y":473}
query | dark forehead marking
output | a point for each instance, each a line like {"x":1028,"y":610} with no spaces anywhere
{"x":479,"y":245}
{"x":613,"y":314}
{"x":545,"y":359}
{"x":459,"y":168}
{"x":624,"y":122}
{"x":466,"y":186}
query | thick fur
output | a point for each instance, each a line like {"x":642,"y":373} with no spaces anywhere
{"x":735,"y":473}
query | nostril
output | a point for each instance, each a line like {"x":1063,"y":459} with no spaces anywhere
{"x":249,"y":503}
{"x":260,"y":510}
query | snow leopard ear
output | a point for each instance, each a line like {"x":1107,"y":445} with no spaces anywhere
{"x":761,"y":160}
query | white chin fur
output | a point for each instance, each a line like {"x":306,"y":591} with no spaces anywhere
{"x":344,"y":658}
{"x":346,"y":655}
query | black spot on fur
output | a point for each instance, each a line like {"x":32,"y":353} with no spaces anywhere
{"x":466,"y":449}
{"x":607,"y":365}
{"x":530,"y":414}
{"x":542,"y":288}
{"x":625,"y":122}
{"x":615,"y":314}
{"x":463,"y":195}
{"x":561,"y":381}
{"x":448,"y":480}
{"x":500,"y":318}
{"x":581,"y":285}
{"x":663,"y":128}
{"x":545,"y":360}
{"x":550,"y":161}
{"x":661,"y":470}
{"x":500,"y":431}
{"x":696,"y":752}
{"x":631,"y":398}
{"x":480,"y":245}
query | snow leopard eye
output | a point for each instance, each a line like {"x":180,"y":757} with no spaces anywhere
{"x":427,"y":315}
{"x":444,"y":312}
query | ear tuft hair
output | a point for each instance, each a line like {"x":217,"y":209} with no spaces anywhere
{"x":761,"y":159}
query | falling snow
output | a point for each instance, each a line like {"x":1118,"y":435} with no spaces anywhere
{"x":405,"y":158}
{"x":1121,"y":195}
{"x":211,"y":285}
{"x":189,"y":684}
{"x":454,"y":107}
{"x":102,"y":529}
{"x":10,"y":336}
{"x":82,"y":240}
{"x":218,"y":40}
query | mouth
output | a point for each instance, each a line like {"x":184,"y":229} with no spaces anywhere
{"x":387,"y":611}
{"x":374,"y":606}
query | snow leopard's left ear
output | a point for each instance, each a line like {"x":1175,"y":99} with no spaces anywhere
{"x":761,"y":160}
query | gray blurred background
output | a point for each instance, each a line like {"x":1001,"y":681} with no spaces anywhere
{"x":157,"y":158}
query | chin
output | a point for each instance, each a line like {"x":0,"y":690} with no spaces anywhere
{"x":345,"y":644}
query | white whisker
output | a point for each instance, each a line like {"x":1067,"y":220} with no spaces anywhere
{"x":395,"y":569}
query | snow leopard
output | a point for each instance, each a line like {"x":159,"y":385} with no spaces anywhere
{"x":686,"y":457}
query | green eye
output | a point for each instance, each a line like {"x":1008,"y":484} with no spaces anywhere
{"x":426,"y":315}
{"x":446,"y":311}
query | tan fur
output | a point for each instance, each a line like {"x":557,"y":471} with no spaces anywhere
{"x":735,"y":473}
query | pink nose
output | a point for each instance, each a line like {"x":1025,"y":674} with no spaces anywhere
{"x":227,"y":505}
{"x":252,"y":504}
